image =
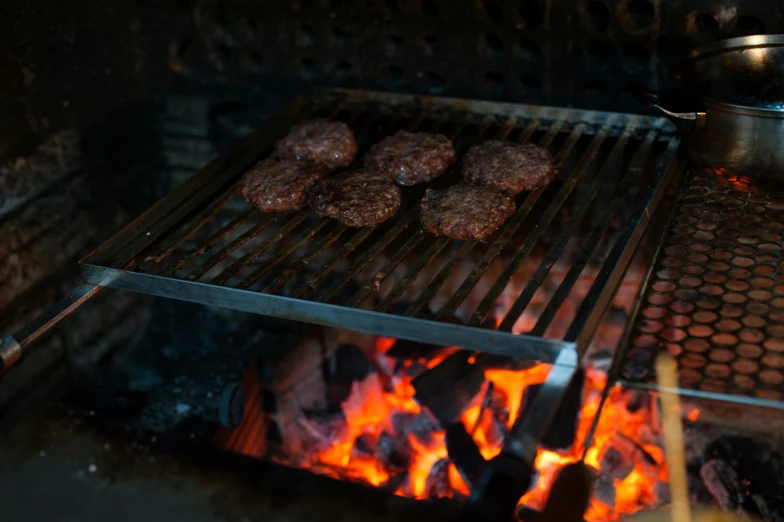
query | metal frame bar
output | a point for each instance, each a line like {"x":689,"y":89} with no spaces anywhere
{"x":445,"y":334}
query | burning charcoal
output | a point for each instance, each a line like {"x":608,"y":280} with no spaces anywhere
{"x":394,"y":481}
{"x":317,"y":432}
{"x":415,"y":368}
{"x":347,"y":364}
{"x":617,"y":458}
{"x":449,"y":388}
{"x":412,"y":350}
{"x":365,"y":401}
{"x":437,"y":484}
{"x":363,"y":447}
{"x":722,"y":482}
{"x":604,"y":490}
{"x":418,"y":425}
{"x":464,"y":453}
{"x":563,"y":429}
{"x":493,"y":424}
{"x":401,"y":422}
{"x":527,"y":513}
{"x":393,"y":454}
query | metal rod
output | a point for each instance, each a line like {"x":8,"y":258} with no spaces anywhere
{"x":611,"y":273}
{"x":293,"y":222}
{"x":384,"y":242}
{"x":204,"y":268}
{"x":421,"y":330}
{"x":398,"y":257}
{"x":447,"y":311}
{"x":517,"y":259}
{"x":12,"y":347}
{"x":412,"y":274}
{"x":589,"y":248}
{"x":310,"y":284}
{"x":226,"y":251}
{"x":184,"y":232}
{"x":441,"y":277}
{"x":319,"y":224}
{"x":206,"y":246}
{"x":370,"y":254}
{"x":541,"y":224}
{"x":300,"y":264}
{"x":390,"y":265}
{"x":467,"y":246}
{"x":579,"y":210}
{"x":622,"y":349}
{"x":222,"y":171}
{"x":278,"y":257}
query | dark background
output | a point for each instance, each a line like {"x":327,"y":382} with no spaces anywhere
{"x":69,"y":64}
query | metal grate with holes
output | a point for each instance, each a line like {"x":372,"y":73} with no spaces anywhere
{"x":715,"y":296}
{"x":202,"y":243}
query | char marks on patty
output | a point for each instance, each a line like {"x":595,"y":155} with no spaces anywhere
{"x":510,"y":167}
{"x":356,"y":199}
{"x":280,"y":185}
{"x":465,"y":212}
{"x":411,"y":157}
{"x":330,"y":143}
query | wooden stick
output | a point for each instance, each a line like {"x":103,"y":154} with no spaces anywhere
{"x":667,"y":375}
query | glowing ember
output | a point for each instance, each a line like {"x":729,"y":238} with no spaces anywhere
{"x":371,"y":409}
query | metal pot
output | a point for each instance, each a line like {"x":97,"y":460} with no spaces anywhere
{"x":730,"y":107}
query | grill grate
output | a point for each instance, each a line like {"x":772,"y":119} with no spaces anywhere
{"x":715,"y":297}
{"x":202,"y":243}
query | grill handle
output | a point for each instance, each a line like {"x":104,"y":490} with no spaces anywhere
{"x":12,"y":347}
{"x":685,"y":113}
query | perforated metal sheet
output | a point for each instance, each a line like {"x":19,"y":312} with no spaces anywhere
{"x":715,"y":299}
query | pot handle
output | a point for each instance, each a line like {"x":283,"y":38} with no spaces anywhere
{"x":686,"y":114}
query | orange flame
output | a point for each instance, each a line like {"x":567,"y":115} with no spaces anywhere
{"x":369,"y":410}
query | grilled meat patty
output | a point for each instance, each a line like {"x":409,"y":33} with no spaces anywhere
{"x":279,"y":185}
{"x":330,"y":143}
{"x":411,"y":157}
{"x":465,"y":212}
{"x":510,"y":167}
{"x":356,"y":199}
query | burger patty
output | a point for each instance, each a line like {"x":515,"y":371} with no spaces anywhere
{"x":330,"y":143}
{"x":411,"y":158}
{"x":465,"y":212}
{"x":357,"y":199}
{"x":510,"y":167}
{"x":279,"y":185}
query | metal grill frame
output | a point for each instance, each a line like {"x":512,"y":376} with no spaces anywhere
{"x":111,"y":265}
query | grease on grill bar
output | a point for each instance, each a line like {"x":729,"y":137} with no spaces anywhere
{"x":715,"y":295}
{"x":583,"y":226}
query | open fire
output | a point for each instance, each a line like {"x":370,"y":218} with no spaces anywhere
{"x":379,"y":433}
{"x":384,"y":438}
